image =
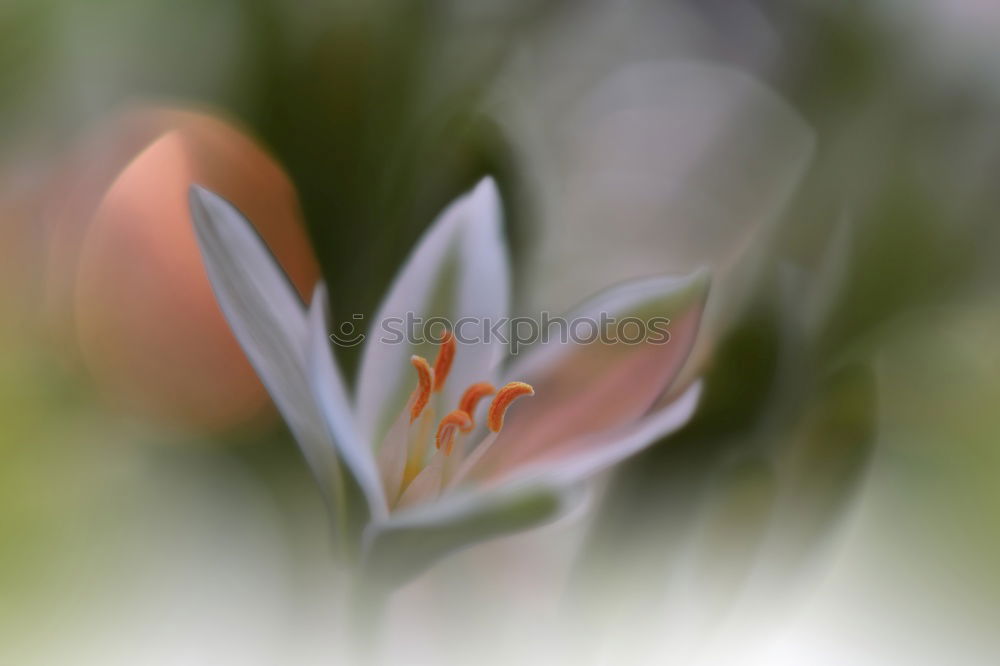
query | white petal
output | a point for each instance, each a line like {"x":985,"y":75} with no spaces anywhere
{"x":469,"y":464}
{"x":328,"y":388}
{"x":395,"y":449}
{"x":413,"y":539}
{"x":458,"y":269}
{"x":426,"y":485}
{"x":269,"y":321}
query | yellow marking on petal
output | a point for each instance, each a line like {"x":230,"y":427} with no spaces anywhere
{"x":503,"y":400}
{"x":425,"y":378}
{"x":450,"y":424}
{"x":471,"y":398}
{"x":416,"y":446}
{"x":442,"y":364}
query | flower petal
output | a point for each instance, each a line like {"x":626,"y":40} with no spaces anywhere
{"x":580,"y":458}
{"x":459,"y":269}
{"x":269,"y":321}
{"x":584,"y":389}
{"x":427,"y":484}
{"x":411,"y":540}
{"x":331,"y":397}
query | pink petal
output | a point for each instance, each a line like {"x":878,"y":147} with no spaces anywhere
{"x":587,"y":455}
{"x":587,"y":389}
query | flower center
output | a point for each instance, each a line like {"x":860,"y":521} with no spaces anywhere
{"x":432,"y":380}
{"x":427,"y":471}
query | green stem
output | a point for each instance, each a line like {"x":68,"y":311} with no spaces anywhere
{"x":367,"y":602}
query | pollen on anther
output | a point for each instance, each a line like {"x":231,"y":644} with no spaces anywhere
{"x":455,"y":420}
{"x":471,"y":398}
{"x":504,"y":397}
{"x":425,"y":379}
{"x":442,"y":364}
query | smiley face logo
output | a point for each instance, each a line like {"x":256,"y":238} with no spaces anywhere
{"x":348,"y":333}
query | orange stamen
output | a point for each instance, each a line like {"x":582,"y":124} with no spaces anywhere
{"x":455,"y":420}
{"x":425,"y":377}
{"x":502,"y":401}
{"x":471,"y":398}
{"x":442,"y":364}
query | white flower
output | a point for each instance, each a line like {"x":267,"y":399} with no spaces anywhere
{"x":410,"y":465}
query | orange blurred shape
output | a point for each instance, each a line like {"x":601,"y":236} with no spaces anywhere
{"x":148,"y":325}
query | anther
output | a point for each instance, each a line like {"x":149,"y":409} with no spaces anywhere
{"x":425,"y":377}
{"x":471,"y":398}
{"x":442,"y":364}
{"x":455,"y":420}
{"x":504,"y":397}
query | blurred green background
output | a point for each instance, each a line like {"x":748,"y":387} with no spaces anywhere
{"x":834,"y":162}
